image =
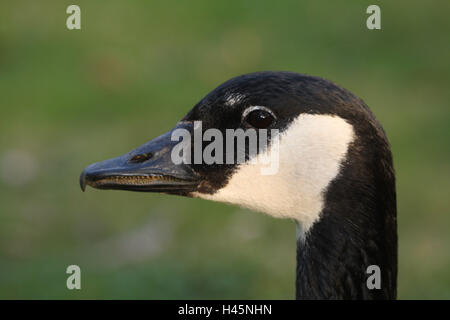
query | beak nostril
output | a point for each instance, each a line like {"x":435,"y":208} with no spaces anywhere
{"x":141,"y":157}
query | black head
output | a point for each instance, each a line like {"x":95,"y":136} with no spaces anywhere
{"x":333,"y":170}
{"x":269,"y":100}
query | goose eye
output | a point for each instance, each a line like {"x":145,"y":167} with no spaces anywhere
{"x":259,"y":119}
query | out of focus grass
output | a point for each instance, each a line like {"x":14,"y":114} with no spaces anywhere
{"x":69,"y":98}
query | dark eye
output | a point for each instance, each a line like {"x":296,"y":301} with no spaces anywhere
{"x":259,"y":119}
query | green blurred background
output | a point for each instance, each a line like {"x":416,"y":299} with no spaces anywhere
{"x":70,"y":98}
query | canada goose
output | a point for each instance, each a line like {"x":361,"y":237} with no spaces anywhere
{"x":335,"y":177}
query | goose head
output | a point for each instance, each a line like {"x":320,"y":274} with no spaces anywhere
{"x":328,"y":162}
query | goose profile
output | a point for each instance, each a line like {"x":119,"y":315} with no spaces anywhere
{"x":335,"y":176}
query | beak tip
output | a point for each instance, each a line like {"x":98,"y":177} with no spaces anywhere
{"x":83,"y":181}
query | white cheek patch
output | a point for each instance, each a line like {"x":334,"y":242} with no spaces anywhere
{"x":311,"y":152}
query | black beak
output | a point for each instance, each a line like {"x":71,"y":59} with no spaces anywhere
{"x":148,"y":168}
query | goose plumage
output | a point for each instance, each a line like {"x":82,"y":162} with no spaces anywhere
{"x":335,"y":176}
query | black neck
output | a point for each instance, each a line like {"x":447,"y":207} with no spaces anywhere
{"x":357,"y":229}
